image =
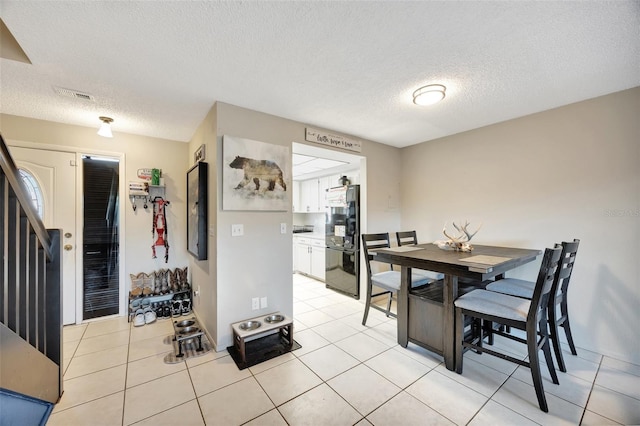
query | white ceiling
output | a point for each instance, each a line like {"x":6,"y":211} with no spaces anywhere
{"x":157,"y":67}
{"x":311,"y":161}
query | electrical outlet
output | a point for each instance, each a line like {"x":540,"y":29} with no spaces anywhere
{"x":255,"y":303}
{"x":263,"y":303}
{"x":283,"y":228}
{"x":237,"y":230}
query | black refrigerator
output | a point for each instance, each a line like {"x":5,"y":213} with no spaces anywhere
{"x":343,"y":240}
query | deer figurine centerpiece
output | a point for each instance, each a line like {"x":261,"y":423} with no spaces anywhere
{"x":458,"y":242}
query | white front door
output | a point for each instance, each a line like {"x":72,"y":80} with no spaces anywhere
{"x":55,"y":173}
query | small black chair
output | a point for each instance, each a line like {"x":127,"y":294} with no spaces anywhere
{"x":529,"y":315}
{"x":388,"y":281}
{"x":559,"y":290}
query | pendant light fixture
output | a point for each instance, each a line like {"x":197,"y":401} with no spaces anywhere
{"x":429,"y":95}
{"x":105,"y":127}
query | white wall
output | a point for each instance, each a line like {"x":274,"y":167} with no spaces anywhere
{"x":140,"y":152}
{"x":571,"y":172}
{"x":204,"y":272}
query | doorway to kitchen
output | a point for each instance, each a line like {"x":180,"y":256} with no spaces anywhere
{"x":316,"y":171}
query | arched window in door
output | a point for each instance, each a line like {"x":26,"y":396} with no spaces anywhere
{"x":33,"y":190}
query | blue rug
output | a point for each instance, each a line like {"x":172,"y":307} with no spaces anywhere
{"x":21,"y":410}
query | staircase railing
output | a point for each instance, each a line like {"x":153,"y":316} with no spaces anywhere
{"x":31,"y":294}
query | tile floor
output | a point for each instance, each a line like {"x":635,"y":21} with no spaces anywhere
{"x":344,"y":374}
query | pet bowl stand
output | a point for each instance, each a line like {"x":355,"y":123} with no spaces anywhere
{"x":181,"y":338}
{"x":284,"y":327}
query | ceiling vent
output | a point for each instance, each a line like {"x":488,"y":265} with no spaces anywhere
{"x":69,"y":93}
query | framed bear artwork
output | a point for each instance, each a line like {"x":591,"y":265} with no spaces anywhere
{"x":255,"y":175}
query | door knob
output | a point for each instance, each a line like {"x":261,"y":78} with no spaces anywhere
{"x":68,"y":247}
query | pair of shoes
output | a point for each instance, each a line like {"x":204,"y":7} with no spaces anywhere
{"x":139,"y":319}
{"x":180,"y":305}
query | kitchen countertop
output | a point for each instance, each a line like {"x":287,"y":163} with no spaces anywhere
{"x":313,"y":235}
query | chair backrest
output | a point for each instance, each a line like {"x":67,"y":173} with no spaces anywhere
{"x":565,"y":268}
{"x":372,"y":242}
{"x":542,"y":291}
{"x":406,"y":238}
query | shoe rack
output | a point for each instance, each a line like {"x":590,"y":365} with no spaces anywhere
{"x":166,"y":293}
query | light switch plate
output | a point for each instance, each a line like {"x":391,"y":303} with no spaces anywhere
{"x":263,"y":302}
{"x":237,"y":230}
{"x":255,"y":303}
{"x":283,"y":228}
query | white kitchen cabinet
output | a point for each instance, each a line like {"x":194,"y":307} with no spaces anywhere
{"x":295,"y":197}
{"x":324,"y":183}
{"x":312,"y":193}
{"x":318,"y":262}
{"x":309,"y":196}
{"x":302,"y":258}
{"x":309,"y":256}
{"x":334,"y":180}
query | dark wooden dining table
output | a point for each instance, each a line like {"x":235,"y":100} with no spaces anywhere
{"x":482,"y":264}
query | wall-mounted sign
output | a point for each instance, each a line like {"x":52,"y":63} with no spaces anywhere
{"x":144,"y":174}
{"x":337,"y":141}
{"x":199,"y":155}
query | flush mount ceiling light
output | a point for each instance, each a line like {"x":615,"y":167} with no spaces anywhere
{"x":429,"y":95}
{"x":105,"y":127}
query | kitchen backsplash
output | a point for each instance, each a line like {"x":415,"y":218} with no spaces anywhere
{"x":317,"y":220}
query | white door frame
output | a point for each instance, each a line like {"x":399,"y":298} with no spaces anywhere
{"x":79,"y":152}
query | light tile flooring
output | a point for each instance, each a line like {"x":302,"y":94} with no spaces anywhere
{"x":344,"y":374}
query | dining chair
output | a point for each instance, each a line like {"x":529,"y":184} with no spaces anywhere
{"x":410,"y":238}
{"x":406,"y":238}
{"x":388,"y":280}
{"x":529,"y":315}
{"x":558,"y":299}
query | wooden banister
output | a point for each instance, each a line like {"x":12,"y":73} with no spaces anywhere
{"x":31,"y":292}
{"x":10,"y":170}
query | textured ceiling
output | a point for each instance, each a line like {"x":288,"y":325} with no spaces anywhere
{"x":157,"y":67}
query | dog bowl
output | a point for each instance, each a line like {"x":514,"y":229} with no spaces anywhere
{"x":189,"y":330}
{"x":250,"y":325}
{"x":185,"y":323}
{"x":271,"y":319}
